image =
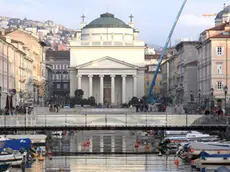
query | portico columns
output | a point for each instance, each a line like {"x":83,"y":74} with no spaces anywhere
{"x":101,"y":89}
{"x":90,"y":85}
{"x":79,"y":82}
{"x":134,"y":85}
{"x":123,"y":88}
{"x":112,"y":89}
{"x":72,"y":72}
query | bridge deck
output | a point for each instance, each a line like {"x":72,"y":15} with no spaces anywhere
{"x":134,"y":121}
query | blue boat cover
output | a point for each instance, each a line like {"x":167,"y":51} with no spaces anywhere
{"x":16,"y":144}
{"x":205,"y":154}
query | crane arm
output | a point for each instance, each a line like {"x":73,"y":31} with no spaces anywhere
{"x":165,"y":47}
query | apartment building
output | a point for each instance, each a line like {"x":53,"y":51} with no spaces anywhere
{"x":169,"y":74}
{"x":214,"y":61}
{"x":59,"y":62}
{"x":187,"y":71}
{"x":31,"y":67}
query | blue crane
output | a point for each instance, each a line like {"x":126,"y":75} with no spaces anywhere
{"x":149,"y":98}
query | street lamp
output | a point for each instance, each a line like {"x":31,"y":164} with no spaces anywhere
{"x":212,"y":103}
{"x":225,"y":96}
{"x":191,"y":96}
{"x":199,"y":92}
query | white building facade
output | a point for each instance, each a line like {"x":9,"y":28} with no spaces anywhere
{"x":107,"y":61}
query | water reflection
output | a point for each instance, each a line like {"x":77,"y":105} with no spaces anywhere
{"x":114,"y":163}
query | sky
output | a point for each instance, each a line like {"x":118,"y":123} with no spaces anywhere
{"x":153,"y":18}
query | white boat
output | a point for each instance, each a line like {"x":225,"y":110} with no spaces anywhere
{"x":15,"y":158}
{"x":193,"y":150}
{"x":213,"y":160}
{"x":3,"y":138}
{"x":193,"y":135}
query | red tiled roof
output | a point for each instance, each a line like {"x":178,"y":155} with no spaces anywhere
{"x":221,"y":35}
{"x":219,"y":27}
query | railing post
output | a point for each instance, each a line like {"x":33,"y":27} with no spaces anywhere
{"x":65,"y":119}
{"x":4,"y":120}
{"x":146,"y":119}
{"x":45,"y":119}
{"x":186,"y":119}
{"x":105,"y":119}
{"x":26,"y":116}
{"x":166,"y":119}
{"x":126,"y":119}
{"x":85,"y":119}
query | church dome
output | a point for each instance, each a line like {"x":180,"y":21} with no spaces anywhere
{"x":227,"y":10}
{"x":219,"y":15}
{"x":107,"y":20}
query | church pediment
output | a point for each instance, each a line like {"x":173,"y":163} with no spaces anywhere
{"x":106,"y":63}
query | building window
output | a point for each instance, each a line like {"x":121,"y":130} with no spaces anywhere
{"x":219,"y":69}
{"x":219,"y":85}
{"x":57,"y":76}
{"x":219,"y":51}
{"x":58,"y":86}
{"x":65,"y":86}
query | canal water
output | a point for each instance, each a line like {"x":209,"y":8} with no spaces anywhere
{"x":103,"y":143}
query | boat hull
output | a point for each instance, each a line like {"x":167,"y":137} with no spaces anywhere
{"x":4,"y":166}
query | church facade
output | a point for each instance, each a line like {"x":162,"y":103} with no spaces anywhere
{"x":107,"y":61}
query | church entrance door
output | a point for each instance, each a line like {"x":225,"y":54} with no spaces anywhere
{"x":107,"y":95}
{"x":107,"y":90}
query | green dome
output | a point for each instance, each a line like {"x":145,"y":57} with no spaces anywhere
{"x":107,"y":20}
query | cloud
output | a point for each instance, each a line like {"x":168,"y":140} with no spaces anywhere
{"x":193,"y":20}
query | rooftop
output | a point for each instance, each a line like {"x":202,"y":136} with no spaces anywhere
{"x":107,"y":20}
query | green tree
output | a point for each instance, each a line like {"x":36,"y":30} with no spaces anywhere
{"x":133,"y":101}
{"x":79,"y":93}
{"x":92,"y":101}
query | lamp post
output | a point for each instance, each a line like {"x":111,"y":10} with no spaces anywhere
{"x":211,"y":92}
{"x":199,"y":92}
{"x":191,"y":96}
{"x":225,"y":98}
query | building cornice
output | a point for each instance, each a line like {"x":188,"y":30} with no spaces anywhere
{"x":181,"y":44}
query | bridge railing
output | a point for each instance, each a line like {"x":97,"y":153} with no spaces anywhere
{"x":137,"y":119}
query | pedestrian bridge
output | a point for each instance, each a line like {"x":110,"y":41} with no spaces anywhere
{"x":135,"y":121}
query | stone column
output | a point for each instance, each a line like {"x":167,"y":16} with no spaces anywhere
{"x":79,"y":81}
{"x":73,"y":83}
{"x":101,"y":89}
{"x":90,"y":85}
{"x":134,"y":85}
{"x":123,"y":88}
{"x":112,"y":89}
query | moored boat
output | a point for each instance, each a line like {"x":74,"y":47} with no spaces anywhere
{"x":4,"y":166}
{"x":206,"y":159}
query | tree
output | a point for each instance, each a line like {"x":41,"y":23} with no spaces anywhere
{"x":79,"y":93}
{"x":133,"y":101}
{"x":92,"y":101}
